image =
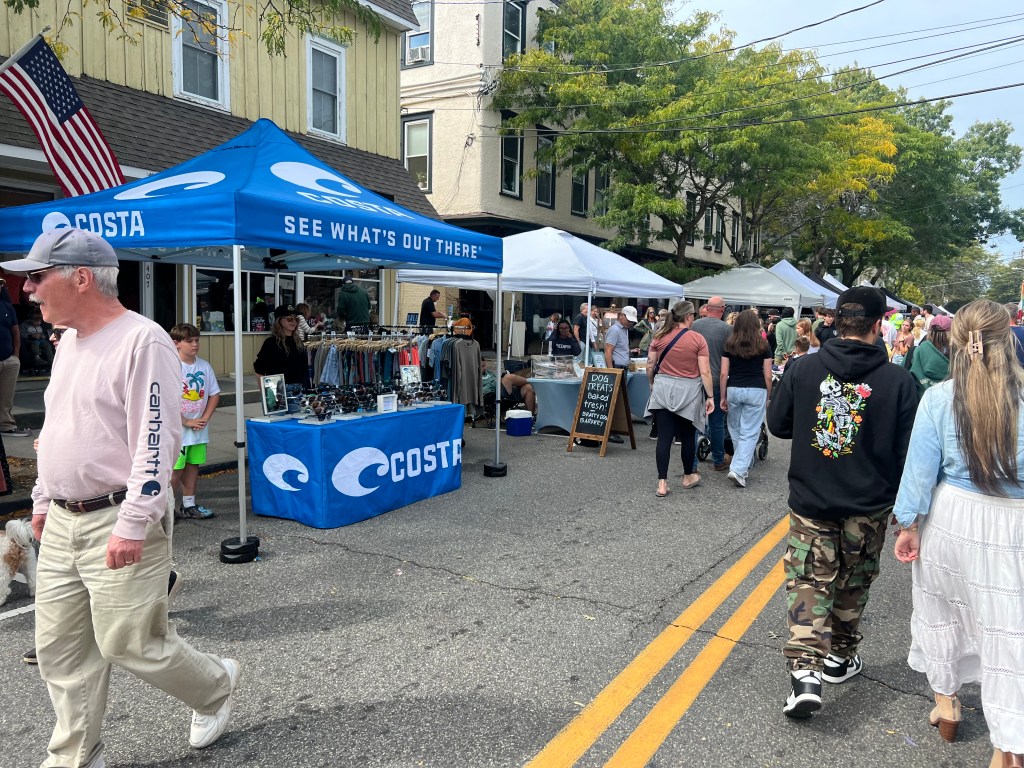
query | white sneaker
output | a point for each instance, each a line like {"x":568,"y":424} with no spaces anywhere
{"x":741,"y":482}
{"x":805,"y":698}
{"x":206,"y":729}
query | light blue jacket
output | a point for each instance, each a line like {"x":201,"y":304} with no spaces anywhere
{"x":934,"y":455}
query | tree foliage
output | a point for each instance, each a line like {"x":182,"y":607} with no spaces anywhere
{"x":278,"y":19}
{"x":794,"y":151}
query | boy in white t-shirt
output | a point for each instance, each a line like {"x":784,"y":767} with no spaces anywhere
{"x":200,"y":395}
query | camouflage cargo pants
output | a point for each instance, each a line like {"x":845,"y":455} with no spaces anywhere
{"x":830,"y":566}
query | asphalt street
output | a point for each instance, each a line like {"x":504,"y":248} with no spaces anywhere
{"x":560,"y":616}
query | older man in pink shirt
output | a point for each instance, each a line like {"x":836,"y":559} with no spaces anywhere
{"x":100,"y":505}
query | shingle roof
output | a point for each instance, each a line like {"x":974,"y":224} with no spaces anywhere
{"x":400,"y":8}
{"x":154,"y":132}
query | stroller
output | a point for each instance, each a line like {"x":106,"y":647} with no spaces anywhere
{"x":704,"y":444}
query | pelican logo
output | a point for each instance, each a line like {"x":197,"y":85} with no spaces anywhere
{"x":348,"y":474}
{"x":188,"y":181}
{"x":277,"y":464}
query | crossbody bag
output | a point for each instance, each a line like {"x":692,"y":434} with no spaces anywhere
{"x":663,"y":355}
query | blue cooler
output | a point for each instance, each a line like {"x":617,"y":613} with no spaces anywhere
{"x":518,"y":423}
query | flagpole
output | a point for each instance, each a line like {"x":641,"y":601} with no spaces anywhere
{"x":21,"y":51}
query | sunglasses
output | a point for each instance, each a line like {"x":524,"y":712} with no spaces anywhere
{"x":37,"y":276}
{"x":56,"y":333}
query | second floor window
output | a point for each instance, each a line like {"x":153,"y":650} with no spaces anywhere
{"x":709,"y":224}
{"x":514,"y":33}
{"x":326,"y":87}
{"x":602,"y":180}
{"x":200,"y":52}
{"x":417,"y":44}
{"x":545,"y":174}
{"x":511,"y":162}
{"x":691,"y":211}
{"x":416,"y":141}
{"x":719,"y":228}
{"x":580,"y":192}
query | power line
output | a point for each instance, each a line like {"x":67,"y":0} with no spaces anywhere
{"x":755,"y":124}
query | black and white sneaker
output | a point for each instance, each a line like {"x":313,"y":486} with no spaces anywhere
{"x":805,"y":699}
{"x":839,"y":670}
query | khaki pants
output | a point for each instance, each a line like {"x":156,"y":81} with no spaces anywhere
{"x":89,"y":617}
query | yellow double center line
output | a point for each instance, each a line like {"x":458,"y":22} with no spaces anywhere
{"x":585,"y":729}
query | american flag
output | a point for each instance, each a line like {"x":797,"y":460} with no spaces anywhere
{"x":72,"y":142}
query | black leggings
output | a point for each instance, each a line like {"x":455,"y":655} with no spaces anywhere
{"x":671,"y":426}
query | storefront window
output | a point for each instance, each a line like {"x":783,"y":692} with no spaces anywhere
{"x":261,"y":292}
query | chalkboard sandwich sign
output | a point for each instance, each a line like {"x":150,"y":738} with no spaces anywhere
{"x":602,"y":408}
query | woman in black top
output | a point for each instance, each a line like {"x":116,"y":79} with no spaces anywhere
{"x":283,"y":352}
{"x":746,"y":385}
{"x":564,"y":343}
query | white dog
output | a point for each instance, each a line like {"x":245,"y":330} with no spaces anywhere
{"x":17,"y":555}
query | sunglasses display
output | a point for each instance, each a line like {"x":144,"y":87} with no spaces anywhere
{"x":326,"y":402}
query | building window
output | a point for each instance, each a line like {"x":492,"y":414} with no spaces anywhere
{"x":416,"y":138}
{"x":325,"y":64}
{"x":200,"y":53}
{"x":150,"y":11}
{"x":602,"y":180}
{"x":545,"y":173}
{"x":719,"y":228}
{"x":323,"y":290}
{"x":418,"y":49}
{"x":691,"y":212}
{"x":514,"y":31}
{"x":580,"y":190}
{"x":709,"y":227}
{"x":511,"y":162}
{"x":735,"y":244}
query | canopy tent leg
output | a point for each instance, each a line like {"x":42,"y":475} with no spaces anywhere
{"x":245,"y":548}
{"x":590,"y":307}
{"x":496,"y":468}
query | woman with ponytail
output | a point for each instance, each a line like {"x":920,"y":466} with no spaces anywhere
{"x":960,"y":509}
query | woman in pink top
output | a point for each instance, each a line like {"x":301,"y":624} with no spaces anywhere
{"x":680,"y":374}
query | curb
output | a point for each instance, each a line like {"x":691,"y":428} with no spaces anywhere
{"x":10,"y":507}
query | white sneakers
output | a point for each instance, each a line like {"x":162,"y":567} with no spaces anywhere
{"x":839,"y":670}
{"x":805,"y":698}
{"x":206,"y":729}
{"x":741,"y":482}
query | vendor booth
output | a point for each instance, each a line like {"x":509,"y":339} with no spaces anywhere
{"x":550,"y":261}
{"x":753,"y":285}
{"x":261,"y":200}
{"x":805,"y":283}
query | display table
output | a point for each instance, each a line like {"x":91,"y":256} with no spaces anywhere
{"x":330,"y":475}
{"x":557,"y":398}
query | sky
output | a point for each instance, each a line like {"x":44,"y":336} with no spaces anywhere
{"x":900,"y":29}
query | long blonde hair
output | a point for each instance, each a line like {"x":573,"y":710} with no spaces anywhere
{"x":803,"y":328}
{"x":988,"y":390}
{"x":918,"y":330}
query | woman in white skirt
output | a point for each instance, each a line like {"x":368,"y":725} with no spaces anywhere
{"x":961,"y":513}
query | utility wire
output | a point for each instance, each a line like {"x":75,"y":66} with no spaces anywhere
{"x":757,"y":123}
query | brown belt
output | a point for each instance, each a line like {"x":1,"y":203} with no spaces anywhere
{"x":91,"y":505}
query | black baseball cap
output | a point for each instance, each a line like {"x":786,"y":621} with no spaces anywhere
{"x":871,"y":299}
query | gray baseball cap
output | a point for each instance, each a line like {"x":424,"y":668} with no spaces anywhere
{"x":65,"y":246}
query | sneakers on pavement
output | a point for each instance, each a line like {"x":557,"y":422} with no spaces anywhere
{"x":16,"y":432}
{"x":193,"y":513}
{"x":174,"y":582}
{"x":206,"y":729}
{"x":839,"y":670}
{"x":29,"y":656}
{"x":805,"y":698}
{"x":741,"y":482}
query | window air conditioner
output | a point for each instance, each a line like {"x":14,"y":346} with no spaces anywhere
{"x":422,"y":53}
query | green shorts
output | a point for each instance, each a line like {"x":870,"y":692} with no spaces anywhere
{"x":191,"y":454}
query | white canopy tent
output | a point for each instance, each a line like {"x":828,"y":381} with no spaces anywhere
{"x":755,"y":285}
{"x":798,"y":279}
{"x":549,"y":261}
{"x":833,"y":282}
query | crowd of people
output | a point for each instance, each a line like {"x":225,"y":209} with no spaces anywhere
{"x":914,"y":421}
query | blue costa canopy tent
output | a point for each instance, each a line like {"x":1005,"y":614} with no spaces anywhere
{"x":231,"y":206}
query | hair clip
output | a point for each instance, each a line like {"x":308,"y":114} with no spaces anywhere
{"x":974,"y":345}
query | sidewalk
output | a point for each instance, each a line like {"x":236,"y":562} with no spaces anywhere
{"x":29,"y":412}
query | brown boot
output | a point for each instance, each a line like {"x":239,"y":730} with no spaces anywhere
{"x":946,"y":715}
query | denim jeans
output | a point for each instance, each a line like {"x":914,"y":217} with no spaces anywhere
{"x":746,"y":414}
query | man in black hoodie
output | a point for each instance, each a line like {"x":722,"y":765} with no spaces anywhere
{"x":849,"y":413}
